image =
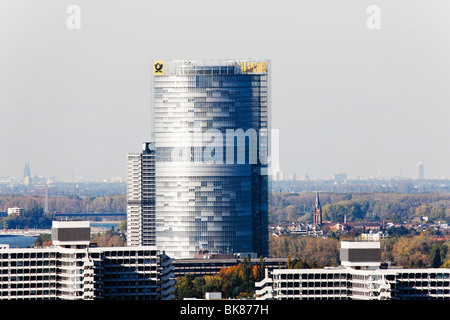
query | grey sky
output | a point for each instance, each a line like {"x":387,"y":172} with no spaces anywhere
{"x":345,"y":98}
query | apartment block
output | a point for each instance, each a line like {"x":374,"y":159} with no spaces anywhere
{"x":141,"y":197}
{"x":74,"y":269}
{"x":361,"y":276}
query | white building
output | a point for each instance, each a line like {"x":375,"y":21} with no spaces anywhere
{"x":141,"y":197}
{"x":374,"y":236}
{"x":73,"y":269}
{"x":360,"y":277}
{"x":16,"y":210}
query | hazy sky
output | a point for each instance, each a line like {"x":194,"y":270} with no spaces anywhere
{"x":345,"y":98}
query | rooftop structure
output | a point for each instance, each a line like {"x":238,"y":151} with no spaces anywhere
{"x":360,"y":254}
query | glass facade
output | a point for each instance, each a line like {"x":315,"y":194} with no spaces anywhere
{"x":211,"y":131}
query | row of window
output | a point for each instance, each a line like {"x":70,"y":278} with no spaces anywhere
{"x":422,"y":283}
{"x":310,"y":284}
{"x":306,"y":276}
{"x":423,"y":275}
{"x":312,"y":292}
{"x":390,"y":277}
{"x":27,"y":281}
{"x":27,"y":263}
{"x":27,"y":255}
{"x":27,"y":270}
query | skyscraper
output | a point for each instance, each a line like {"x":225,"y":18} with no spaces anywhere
{"x":420,"y":170}
{"x":211,"y":130}
{"x":27,"y":174}
{"x":26,"y":170}
{"x":141,"y":197}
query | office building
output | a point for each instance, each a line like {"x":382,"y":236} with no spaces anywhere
{"x":141,"y":197}
{"x":361,"y":276}
{"x":74,"y":269}
{"x":211,"y":130}
{"x":208,"y":265}
{"x":420,"y":174}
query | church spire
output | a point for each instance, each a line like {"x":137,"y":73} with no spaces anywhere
{"x":317,"y":217}
{"x":318,"y":207}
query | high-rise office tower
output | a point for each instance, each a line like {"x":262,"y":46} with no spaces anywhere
{"x":141,"y":197}
{"x":419,"y":170}
{"x":211,"y":129}
{"x":26,"y":170}
{"x":27,"y":174}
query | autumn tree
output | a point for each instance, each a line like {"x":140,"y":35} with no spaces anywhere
{"x":185,"y":287}
{"x":43,"y":240}
{"x":109,"y":238}
{"x":420,"y":251}
{"x":313,"y":251}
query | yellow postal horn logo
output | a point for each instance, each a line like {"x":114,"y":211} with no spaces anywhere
{"x":158,"y":67}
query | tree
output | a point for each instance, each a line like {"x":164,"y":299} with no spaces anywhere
{"x":437,"y":213}
{"x":291,"y":212}
{"x":412,"y":252}
{"x":212,"y":284}
{"x":288,"y":262}
{"x":43,"y":239}
{"x":109,"y":238}
{"x":122,"y":226}
{"x":261,"y":269}
{"x":185,"y":288}
{"x":435,"y":256}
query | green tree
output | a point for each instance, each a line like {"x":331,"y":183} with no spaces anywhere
{"x":109,"y":238}
{"x":435,"y":256}
{"x":47,"y":237}
{"x":185,"y":287}
{"x":289,"y":262}
{"x":437,"y":213}
{"x":212,"y":284}
{"x":122,"y":226}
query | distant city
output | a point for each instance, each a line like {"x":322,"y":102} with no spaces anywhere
{"x":280,"y":182}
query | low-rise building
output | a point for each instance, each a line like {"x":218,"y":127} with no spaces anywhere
{"x":16,"y":210}
{"x":211,"y":264}
{"x":361,"y":276}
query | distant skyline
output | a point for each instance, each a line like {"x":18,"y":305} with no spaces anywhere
{"x":345,"y":98}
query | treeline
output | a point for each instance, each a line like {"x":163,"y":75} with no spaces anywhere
{"x":110,"y":238}
{"x":290,"y":207}
{"x":233,"y":282}
{"x":424,"y":250}
{"x":309,"y":252}
{"x":29,"y":219}
{"x":67,"y":204}
{"x":34,"y":216}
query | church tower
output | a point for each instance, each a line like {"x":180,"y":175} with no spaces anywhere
{"x":317,"y":217}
